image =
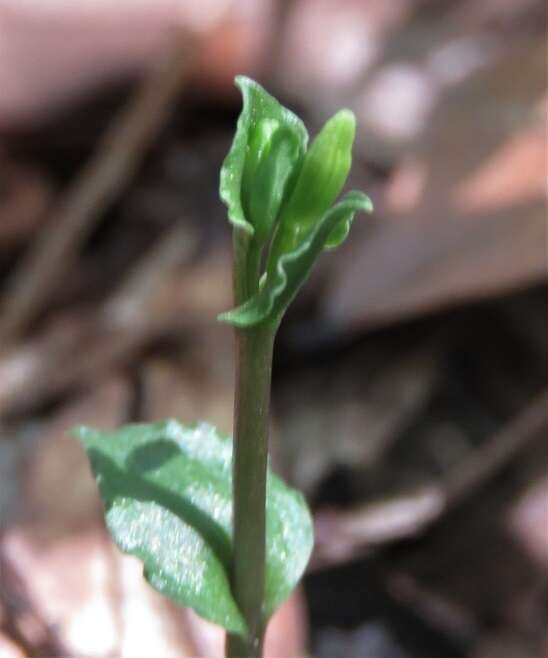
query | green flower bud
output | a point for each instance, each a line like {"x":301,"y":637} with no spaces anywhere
{"x":280,"y":193}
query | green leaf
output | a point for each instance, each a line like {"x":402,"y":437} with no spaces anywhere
{"x":167,"y":493}
{"x":292,"y":268}
{"x":262,"y":162}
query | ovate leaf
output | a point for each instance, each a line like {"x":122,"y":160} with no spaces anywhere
{"x":167,"y":493}
{"x":292,"y":268}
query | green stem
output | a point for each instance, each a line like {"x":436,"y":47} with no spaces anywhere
{"x":251,"y":423}
{"x":247,"y":263}
{"x":253,"y":375}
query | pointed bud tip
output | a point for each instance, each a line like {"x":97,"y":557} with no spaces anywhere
{"x":344,"y":117}
{"x":343,"y":125}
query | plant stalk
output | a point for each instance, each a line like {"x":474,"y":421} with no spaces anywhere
{"x":249,"y":467}
{"x":252,"y":403}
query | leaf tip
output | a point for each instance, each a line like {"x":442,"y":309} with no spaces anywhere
{"x":231,"y":318}
{"x":368,"y":206}
{"x":347,"y":115}
{"x":226,"y":317}
{"x":344,"y":122}
{"x":241,"y":81}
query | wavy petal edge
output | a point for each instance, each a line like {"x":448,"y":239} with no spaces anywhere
{"x":274,"y":296}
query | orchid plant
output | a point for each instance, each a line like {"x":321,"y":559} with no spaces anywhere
{"x":216,"y":530}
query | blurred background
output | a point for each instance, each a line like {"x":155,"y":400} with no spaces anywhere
{"x":410,"y":395}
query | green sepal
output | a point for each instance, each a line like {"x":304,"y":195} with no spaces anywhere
{"x":269,"y":144}
{"x":321,"y":178}
{"x":167,"y":493}
{"x":292,"y":268}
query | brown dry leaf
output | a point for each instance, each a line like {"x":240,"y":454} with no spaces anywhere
{"x":342,"y":41}
{"x":96,"y":598}
{"x":403,"y":269}
{"x":100,"y":605}
{"x":8,"y":648}
{"x":468,"y":214}
{"x":482,"y":116}
{"x":56,"y":52}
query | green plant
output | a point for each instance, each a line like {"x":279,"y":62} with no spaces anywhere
{"x":215,"y":528}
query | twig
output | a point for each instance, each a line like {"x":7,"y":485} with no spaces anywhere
{"x":101,"y":180}
{"x":494,"y":455}
{"x":343,"y":535}
{"x":87,"y":346}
